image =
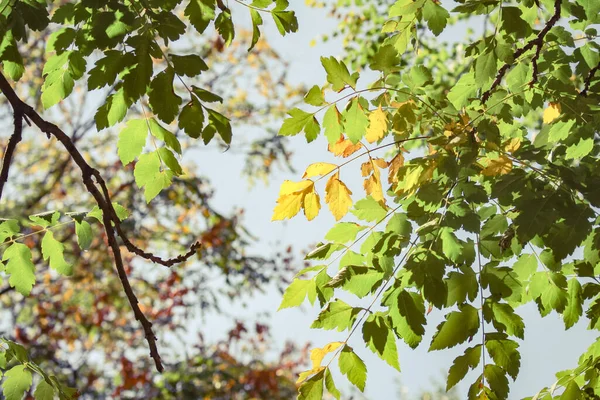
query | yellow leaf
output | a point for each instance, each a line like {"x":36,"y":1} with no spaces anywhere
{"x":372,"y":187}
{"x":287,"y":206}
{"x":304,"y":375}
{"x":319,"y":169}
{"x":551,"y":113}
{"x":380,"y":162}
{"x":337,"y":196}
{"x":289,"y":187}
{"x":317,"y":354}
{"x":366,"y":168}
{"x":378,"y":125}
{"x":498,"y":166}
{"x":512,"y":145}
{"x":344,"y":147}
{"x":312,"y":205}
{"x":395,"y":165}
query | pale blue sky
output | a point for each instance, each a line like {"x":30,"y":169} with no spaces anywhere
{"x":547,"y":347}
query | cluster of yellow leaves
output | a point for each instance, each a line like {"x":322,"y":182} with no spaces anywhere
{"x":372,"y":184}
{"x":294,"y":196}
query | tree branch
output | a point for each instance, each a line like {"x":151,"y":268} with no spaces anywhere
{"x":15,"y":138}
{"x":538,"y":42}
{"x":22,"y":110}
{"x":588,"y":80}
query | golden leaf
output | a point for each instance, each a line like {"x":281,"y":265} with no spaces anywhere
{"x":337,"y":196}
{"x":304,"y":375}
{"x":312,"y":205}
{"x":512,"y":145}
{"x":289,"y":187}
{"x":343,"y":147}
{"x":373,"y":187}
{"x":395,"y":165}
{"x":551,"y":112}
{"x":287,"y":206}
{"x":378,"y":125}
{"x":317,"y":354}
{"x":498,"y":166}
{"x":380,"y":162}
{"x":319,"y":169}
{"x":366,"y":168}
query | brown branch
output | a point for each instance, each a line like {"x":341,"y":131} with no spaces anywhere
{"x":588,"y":80}
{"x":14,"y":140}
{"x":538,"y":42}
{"x":21,"y":109}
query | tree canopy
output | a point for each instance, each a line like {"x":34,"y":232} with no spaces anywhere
{"x":480,"y":195}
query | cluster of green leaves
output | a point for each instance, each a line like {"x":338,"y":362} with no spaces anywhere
{"x":17,"y":257}
{"x":133,"y":38}
{"x":491,"y":199}
{"x":18,"y":378}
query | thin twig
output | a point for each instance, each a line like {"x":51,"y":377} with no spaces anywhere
{"x":588,"y":80}
{"x":538,"y":42}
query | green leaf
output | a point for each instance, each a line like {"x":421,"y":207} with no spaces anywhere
{"x":338,"y":74}
{"x":315,"y":96}
{"x":53,"y":252}
{"x":485,"y":68}
{"x":451,"y":246}
{"x":344,"y":232}
{"x":458,"y":327}
{"x":386,"y":59}
{"x":407,"y":313}
{"x":505,"y":319}
{"x":436,"y":17}
{"x":296,"y":292}
{"x":83,"y":230}
{"x":44,"y":391}
{"x":358,"y":280}
{"x":525,"y":266}
{"x":380,"y":339}
{"x":148,"y":174}
{"x":330,"y":385}
{"x":355,"y":121}
{"x":580,"y":150}
{"x":256,"y":22}
{"x":189,"y":65}
{"x":369,"y":209}
{"x":332,"y":122}
{"x":20,"y":267}
{"x":460,"y":95}
{"x":157,"y":130}
{"x":163,"y":100}
{"x":353,"y":367}
{"x":113,"y":110}
{"x":285,"y":21}
{"x":17,"y":381}
{"x":200,"y":13}
{"x":300,"y":121}
{"x":45,"y":219}
{"x":461,"y":365}
{"x":574,"y":308}
{"x":132,"y":140}
{"x":191,"y":119}
{"x":312,"y":389}
{"x":496,"y":378}
{"x":224,"y":26}
{"x":504,"y":353}
{"x":338,"y":315}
